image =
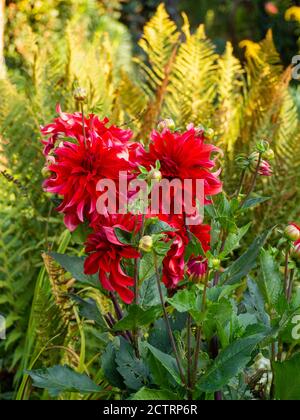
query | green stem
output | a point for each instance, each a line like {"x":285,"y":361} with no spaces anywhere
{"x":241,"y":183}
{"x":291,"y":283}
{"x":198,"y":333}
{"x":169,"y":329}
{"x":254,"y":178}
{"x":286,"y":271}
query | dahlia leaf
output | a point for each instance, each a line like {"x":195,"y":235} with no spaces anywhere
{"x":243,"y":265}
{"x":287,"y":379}
{"x":149,"y":293}
{"x":229,"y":363}
{"x":270,"y":281}
{"x":75,"y":266}
{"x":253,"y":202}
{"x":133,"y":370}
{"x":165,"y":361}
{"x":58,"y":379}
{"x":89,"y":310}
{"x":138,"y":317}
{"x":233,"y":240}
{"x":123,"y":236}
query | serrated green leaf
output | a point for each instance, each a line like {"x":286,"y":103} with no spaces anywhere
{"x":58,"y":379}
{"x":75,"y":266}
{"x":243,"y":265}
{"x":138,"y":317}
{"x":229,"y":363}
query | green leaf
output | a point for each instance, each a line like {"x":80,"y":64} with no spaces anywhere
{"x":165,"y":361}
{"x":287,"y":379}
{"x":75,"y":266}
{"x":184,"y":300}
{"x":123,"y":236}
{"x":154,"y":226}
{"x":149,"y":295}
{"x":90,"y":310}
{"x":59,"y":379}
{"x":253,"y":202}
{"x":229,"y":363}
{"x":233,"y":240}
{"x":242,"y":266}
{"x":133,"y":370}
{"x":270,"y":282}
{"x":194,"y":247}
{"x":110,"y":367}
{"x":147,"y":268}
{"x":145,"y":394}
{"x":138,"y":317}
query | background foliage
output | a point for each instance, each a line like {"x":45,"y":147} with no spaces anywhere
{"x":201,"y":74}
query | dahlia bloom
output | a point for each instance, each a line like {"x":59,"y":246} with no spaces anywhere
{"x":173,"y":263}
{"x":70,"y":125}
{"x":77,"y":167}
{"x":76,"y":172}
{"x":184,"y":156}
{"x":106,"y":253}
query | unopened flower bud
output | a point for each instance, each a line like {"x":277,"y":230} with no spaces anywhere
{"x":209,"y":133}
{"x":292,"y":232}
{"x":80,"y":94}
{"x":45,"y":172}
{"x":199,"y":129}
{"x":216,"y":264}
{"x":265,"y":168}
{"x":269,"y":154}
{"x":146,"y":243}
{"x":155,"y":175}
{"x":262,"y":146}
{"x":168,"y":123}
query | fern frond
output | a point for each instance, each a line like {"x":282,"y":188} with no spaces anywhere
{"x":193,"y":80}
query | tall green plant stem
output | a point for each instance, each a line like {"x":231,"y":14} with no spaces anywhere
{"x":198,"y":332}
{"x":168,"y":325}
{"x":254,"y":179}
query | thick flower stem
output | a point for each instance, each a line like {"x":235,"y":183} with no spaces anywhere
{"x":290,"y":288}
{"x":198,"y":333}
{"x":214,"y":350}
{"x":286,"y":271}
{"x":241,"y":183}
{"x":254,"y":178}
{"x":168,"y":325}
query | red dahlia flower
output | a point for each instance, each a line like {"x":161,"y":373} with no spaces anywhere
{"x":76,"y":172}
{"x":106,"y":253}
{"x":173,"y":263}
{"x":70,"y":125}
{"x":184,"y":156}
